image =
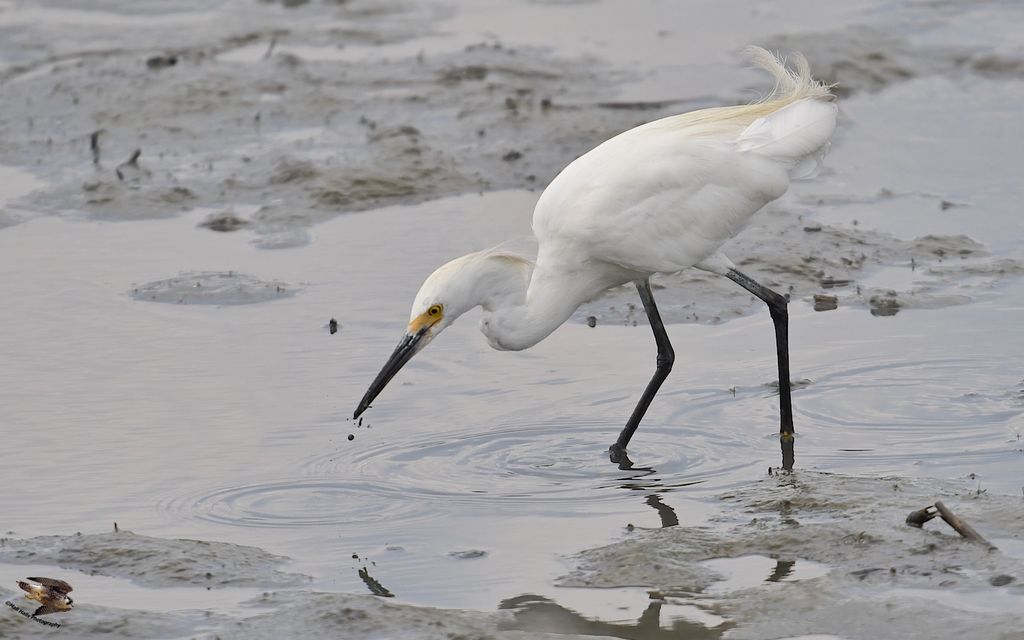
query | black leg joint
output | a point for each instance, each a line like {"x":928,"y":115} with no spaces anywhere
{"x":666,"y":358}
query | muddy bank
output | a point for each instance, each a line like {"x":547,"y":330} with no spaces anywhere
{"x":282,"y":120}
{"x":285,"y":110}
{"x":831,"y":552}
{"x":291,"y":130}
{"x":154,"y":562}
{"x":804,"y":259}
{"x":878,"y":575}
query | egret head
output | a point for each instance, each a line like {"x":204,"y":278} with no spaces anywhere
{"x":458,"y":286}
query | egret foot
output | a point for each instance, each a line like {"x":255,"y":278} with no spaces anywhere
{"x":617,"y":455}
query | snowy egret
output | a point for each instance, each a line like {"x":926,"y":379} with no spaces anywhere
{"x":659,"y":198}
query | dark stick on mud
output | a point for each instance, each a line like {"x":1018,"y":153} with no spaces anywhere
{"x":270,"y":49}
{"x":921,"y":516}
{"x":94,"y":145}
{"x":961,"y":527}
{"x":132,"y":161}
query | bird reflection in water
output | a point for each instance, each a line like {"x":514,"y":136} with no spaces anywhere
{"x":537,"y":614}
{"x":666,"y":513}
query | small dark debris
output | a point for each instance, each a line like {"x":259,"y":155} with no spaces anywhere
{"x":829,"y":282}
{"x":132,"y":162}
{"x":332,"y":326}
{"x":351,"y":437}
{"x":545,"y":103}
{"x":884,"y":305}
{"x":162,"y":62}
{"x":224,"y":222}
{"x":825,"y":302}
{"x":469,"y":554}
{"x":1001,"y":580}
{"x":94,"y":145}
{"x":591,"y":321}
{"x":512,"y":156}
{"x":639,"y":105}
{"x":406,"y":130}
{"x":455,"y":75}
{"x":270,"y":47}
{"x":814,"y":227}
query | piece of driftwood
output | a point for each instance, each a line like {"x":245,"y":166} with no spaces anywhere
{"x":921,"y":516}
{"x":961,"y":527}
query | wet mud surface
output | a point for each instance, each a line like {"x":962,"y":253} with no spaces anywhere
{"x":152,"y":561}
{"x":778,"y":550}
{"x":263,"y":167}
{"x":211,"y":287}
{"x":277,"y":128}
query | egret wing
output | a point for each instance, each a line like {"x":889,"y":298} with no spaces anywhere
{"x":654,"y":200}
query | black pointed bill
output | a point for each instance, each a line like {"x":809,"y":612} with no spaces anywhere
{"x":406,"y":349}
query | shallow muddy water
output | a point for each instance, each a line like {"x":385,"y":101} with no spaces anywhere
{"x":183,"y":383}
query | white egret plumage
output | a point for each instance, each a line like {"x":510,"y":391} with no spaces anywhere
{"x":659,"y":198}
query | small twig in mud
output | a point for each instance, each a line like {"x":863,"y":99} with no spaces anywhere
{"x":961,"y":527}
{"x":270,"y":49}
{"x":921,"y":516}
{"x":94,"y":145}
{"x":132,"y":161}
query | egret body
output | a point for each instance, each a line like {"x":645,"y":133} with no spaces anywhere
{"x":659,"y":198}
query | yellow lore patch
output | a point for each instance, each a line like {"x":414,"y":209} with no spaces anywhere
{"x":428,"y":318}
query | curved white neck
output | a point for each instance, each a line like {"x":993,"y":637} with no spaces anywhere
{"x":521,"y":320}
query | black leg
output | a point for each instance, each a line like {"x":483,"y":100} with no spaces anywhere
{"x":666,"y":356}
{"x":780,"y":316}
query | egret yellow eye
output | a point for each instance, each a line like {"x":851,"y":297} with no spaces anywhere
{"x":435,"y":310}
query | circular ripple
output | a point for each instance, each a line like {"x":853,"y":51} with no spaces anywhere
{"x":557,"y":461}
{"x":869,"y":414}
{"x":302,"y":502}
{"x":557,"y":467}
